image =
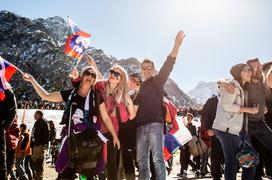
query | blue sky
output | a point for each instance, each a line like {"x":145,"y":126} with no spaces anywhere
{"x":219,"y":33}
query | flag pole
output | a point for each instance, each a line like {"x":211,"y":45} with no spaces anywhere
{"x":19,"y":70}
{"x":13,"y":66}
{"x":69,"y":22}
{"x":80,"y":59}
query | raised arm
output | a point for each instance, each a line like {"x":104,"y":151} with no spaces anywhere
{"x":91,"y":62}
{"x":171,"y":59}
{"x":179,"y":38}
{"x":52,"y":97}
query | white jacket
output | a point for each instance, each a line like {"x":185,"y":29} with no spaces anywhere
{"x":228,"y":116}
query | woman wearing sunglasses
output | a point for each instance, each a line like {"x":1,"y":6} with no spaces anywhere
{"x":115,"y":92}
{"x":231,"y":120}
{"x":120,"y":109}
{"x":78,"y":112}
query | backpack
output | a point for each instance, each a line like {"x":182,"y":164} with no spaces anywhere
{"x":209,"y":112}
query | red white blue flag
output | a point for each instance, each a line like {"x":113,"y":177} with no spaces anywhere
{"x":76,"y":45}
{"x":76,"y":30}
{"x":6,"y":72}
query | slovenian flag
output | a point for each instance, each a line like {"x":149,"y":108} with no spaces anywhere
{"x":76,"y":45}
{"x":6,"y":72}
{"x":177,"y":135}
{"x":76,"y":30}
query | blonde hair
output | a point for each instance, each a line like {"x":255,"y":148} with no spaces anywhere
{"x":86,"y":69}
{"x":122,"y":85}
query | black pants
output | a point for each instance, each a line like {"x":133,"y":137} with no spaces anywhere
{"x":127,"y":136}
{"x":10,"y":162}
{"x":262,"y":133}
{"x":128,"y":163}
{"x":217,"y":158}
{"x":3,"y":157}
{"x":265,"y":159}
{"x":27,"y":167}
{"x":185,"y":159}
{"x":112,"y":159}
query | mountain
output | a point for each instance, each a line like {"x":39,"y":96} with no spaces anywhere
{"x":36,"y":46}
{"x":203,"y":91}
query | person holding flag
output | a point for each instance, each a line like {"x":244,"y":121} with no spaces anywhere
{"x":7,"y":110}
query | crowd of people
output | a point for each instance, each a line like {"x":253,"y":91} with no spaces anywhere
{"x":35,"y":104}
{"x":113,"y":126}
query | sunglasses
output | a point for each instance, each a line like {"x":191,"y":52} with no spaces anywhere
{"x":147,"y":68}
{"x":247,"y":69}
{"x":87,"y":73}
{"x":114,"y":73}
{"x":135,"y":81}
{"x":257,"y":68}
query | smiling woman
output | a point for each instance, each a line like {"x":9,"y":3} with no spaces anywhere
{"x":82,"y":105}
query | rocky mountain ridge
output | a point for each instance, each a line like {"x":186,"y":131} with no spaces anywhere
{"x":36,"y":46}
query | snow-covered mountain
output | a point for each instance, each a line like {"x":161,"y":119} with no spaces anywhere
{"x":36,"y":46}
{"x":203,"y":91}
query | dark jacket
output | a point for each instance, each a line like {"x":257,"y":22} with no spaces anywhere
{"x":41,"y":132}
{"x":208,"y":113}
{"x":192,"y":129}
{"x":150,"y":97}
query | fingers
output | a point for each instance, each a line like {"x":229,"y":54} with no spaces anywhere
{"x":117,"y":144}
{"x":74,"y":73}
{"x":27,"y":77}
{"x":231,"y":89}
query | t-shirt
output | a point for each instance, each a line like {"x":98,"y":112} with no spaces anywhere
{"x":256,"y":95}
{"x":78,"y":103}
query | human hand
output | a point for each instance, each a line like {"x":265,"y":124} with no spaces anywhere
{"x":116,"y":142}
{"x":229,"y":87}
{"x":90,"y":60}
{"x":179,"y":38}
{"x":74,"y":74}
{"x":210,"y":132}
{"x":253,"y":110}
{"x":27,"y":77}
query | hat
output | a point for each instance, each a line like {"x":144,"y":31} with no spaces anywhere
{"x":136,"y":75}
{"x":236,"y":70}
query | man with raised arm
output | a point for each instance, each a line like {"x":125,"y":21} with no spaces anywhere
{"x":149,"y":117}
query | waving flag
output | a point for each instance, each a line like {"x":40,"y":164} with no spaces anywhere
{"x":177,"y":135}
{"x":6,"y":72}
{"x":76,"y":30}
{"x":76,"y":45}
